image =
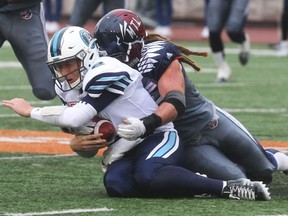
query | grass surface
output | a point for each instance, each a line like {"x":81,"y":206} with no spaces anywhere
{"x":57,"y":184}
{"x":256,"y":95}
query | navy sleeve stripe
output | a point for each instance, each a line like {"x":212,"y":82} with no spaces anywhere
{"x":115,"y":82}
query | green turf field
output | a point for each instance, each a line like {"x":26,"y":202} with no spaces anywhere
{"x":54,"y":185}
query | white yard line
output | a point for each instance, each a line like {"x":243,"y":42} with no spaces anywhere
{"x":274,"y":215}
{"x":221,"y":85}
{"x":35,"y":139}
{"x":36,"y":156}
{"x":233,"y":51}
{"x":17,"y":87}
{"x":253,"y":110}
{"x":37,"y":102}
{"x":69,"y":211}
{"x":231,"y":110}
{"x":10,"y":64}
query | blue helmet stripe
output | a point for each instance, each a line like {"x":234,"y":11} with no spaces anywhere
{"x":55,"y":43}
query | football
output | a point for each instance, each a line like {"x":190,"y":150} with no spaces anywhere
{"x":105,"y":127}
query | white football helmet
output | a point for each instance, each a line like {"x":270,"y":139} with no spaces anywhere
{"x":67,"y":44}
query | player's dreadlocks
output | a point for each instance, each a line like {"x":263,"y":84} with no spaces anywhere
{"x":155,"y":37}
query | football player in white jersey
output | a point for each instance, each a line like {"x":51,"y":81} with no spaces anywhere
{"x":216,"y":144}
{"x":90,"y":85}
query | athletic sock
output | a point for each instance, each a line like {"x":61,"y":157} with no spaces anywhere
{"x":282,"y":161}
{"x":278,"y":159}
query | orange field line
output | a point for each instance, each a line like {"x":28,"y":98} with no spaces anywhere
{"x":41,"y":142}
{"x":47,"y":142}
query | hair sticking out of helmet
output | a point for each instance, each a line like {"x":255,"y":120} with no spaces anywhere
{"x":67,"y":44}
{"x":121,"y":34}
{"x":184,"y":51}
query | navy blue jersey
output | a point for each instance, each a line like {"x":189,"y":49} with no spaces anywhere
{"x":156,"y":57}
{"x":209,"y":143}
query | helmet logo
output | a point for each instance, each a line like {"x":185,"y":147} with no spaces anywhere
{"x":135,"y":23}
{"x":128,"y":28}
{"x":86,"y":37}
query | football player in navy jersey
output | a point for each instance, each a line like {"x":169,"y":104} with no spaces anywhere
{"x":216,"y":144}
{"x":90,"y":85}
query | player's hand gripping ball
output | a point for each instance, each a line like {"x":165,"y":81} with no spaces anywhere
{"x":105,"y":127}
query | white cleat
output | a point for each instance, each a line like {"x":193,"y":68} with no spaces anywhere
{"x":282,"y":50}
{"x":224,"y":72}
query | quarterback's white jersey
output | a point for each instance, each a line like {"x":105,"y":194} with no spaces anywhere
{"x":110,"y":75}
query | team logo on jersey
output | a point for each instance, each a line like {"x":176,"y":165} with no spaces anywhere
{"x":26,"y":14}
{"x":169,"y":55}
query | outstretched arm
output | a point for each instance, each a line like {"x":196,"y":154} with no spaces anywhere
{"x":61,"y":116}
{"x":19,"y":105}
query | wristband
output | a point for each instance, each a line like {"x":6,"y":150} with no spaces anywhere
{"x":151,"y":122}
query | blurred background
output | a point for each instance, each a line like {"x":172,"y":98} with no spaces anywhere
{"x":261,"y":11}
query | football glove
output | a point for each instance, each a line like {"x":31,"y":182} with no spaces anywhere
{"x":131,"y":128}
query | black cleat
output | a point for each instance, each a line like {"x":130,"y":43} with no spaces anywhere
{"x":244,"y":189}
{"x":244,"y":57}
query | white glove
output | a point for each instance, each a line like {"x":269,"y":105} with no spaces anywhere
{"x":131,"y":128}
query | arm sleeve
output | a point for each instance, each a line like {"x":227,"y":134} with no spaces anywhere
{"x":64,"y":116}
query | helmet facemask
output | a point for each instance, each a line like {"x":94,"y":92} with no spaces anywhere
{"x":61,"y":79}
{"x":133,"y":53}
{"x":128,"y":53}
{"x":71,"y":46}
